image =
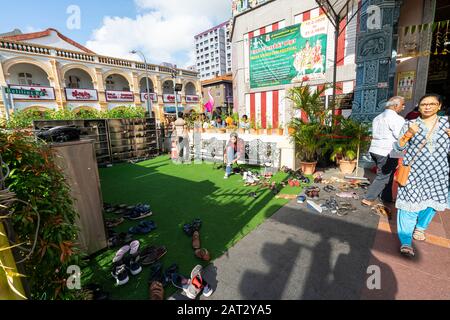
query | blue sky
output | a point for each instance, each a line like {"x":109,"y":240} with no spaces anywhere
{"x":162,"y":29}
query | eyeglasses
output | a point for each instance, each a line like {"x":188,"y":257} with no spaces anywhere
{"x":434,"y":104}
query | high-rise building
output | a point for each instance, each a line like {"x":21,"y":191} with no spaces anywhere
{"x":213,"y":52}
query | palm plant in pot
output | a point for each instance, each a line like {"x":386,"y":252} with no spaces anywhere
{"x":308,"y":135}
{"x":349,"y":139}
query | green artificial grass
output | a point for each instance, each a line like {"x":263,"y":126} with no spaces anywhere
{"x":178,"y":194}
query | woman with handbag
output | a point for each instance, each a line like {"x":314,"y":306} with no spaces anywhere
{"x":423,"y":176}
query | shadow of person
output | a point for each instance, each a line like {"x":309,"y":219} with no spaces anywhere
{"x":281,"y":258}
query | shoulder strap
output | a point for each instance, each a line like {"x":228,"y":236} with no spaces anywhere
{"x":427,"y":138}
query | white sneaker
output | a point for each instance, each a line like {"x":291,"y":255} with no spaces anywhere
{"x":226,"y":176}
{"x":207,"y":291}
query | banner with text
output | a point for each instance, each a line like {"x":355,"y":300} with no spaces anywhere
{"x":31,"y":92}
{"x":81,"y":95}
{"x":153,"y":96}
{"x":170,"y":98}
{"x":292,"y":54}
{"x":121,"y":96}
{"x":192,"y":99}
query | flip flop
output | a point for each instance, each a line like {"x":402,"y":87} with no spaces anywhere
{"x":179,"y":281}
{"x":407,"y":251}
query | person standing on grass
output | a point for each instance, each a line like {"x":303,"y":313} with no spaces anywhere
{"x":182,"y":137}
{"x":426,"y":141}
{"x":386,"y":128}
{"x":233,"y":153}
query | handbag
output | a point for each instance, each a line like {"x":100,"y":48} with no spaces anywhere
{"x":404,"y":170}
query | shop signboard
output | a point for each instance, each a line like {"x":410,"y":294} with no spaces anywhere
{"x":154,"y":97}
{"x":81,"y":94}
{"x":20,"y":92}
{"x":293,"y":54}
{"x":120,"y":96}
{"x":192,"y":99}
{"x":170,"y":98}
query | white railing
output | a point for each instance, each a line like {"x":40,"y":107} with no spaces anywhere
{"x":85,"y":57}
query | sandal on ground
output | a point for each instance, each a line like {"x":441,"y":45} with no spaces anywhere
{"x":382,"y":211}
{"x":196,"y":240}
{"x":202,"y":254}
{"x":407,"y":251}
{"x":367,"y":203}
{"x":156,"y":291}
{"x":419,"y":235}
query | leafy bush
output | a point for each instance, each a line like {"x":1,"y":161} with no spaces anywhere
{"x":36,"y":180}
{"x":24,"y":119}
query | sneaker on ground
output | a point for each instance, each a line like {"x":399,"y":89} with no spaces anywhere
{"x":120,"y":273}
{"x":207,"y":291}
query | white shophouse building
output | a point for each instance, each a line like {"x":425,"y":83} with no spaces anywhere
{"x":65,"y":74}
{"x":213,"y":52}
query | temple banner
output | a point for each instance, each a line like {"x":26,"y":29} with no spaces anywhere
{"x":293,"y":54}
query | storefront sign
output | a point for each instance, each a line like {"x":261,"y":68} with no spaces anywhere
{"x":173,"y":109}
{"x":192,"y":99}
{"x":292,"y":54}
{"x":405,"y":84}
{"x":121,"y":96}
{"x":81,"y":95}
{"x":31,"y":92}
{"x":154,"y":97}
{"x":170,"y":98}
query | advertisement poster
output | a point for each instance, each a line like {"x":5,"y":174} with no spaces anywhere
{"x":81,"y":95}
{"x":405,"y":84}
{"x":292,"y":54}
{"x":31,"y":92}
{"x":121,"y":96}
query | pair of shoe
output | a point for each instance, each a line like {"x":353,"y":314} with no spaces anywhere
{"x":190,"y":228}
{"x":139,"y":212}
{"x":329,"y":188}
{"x":126,"y":261}
{"x":112,"y":223}
{"x":331,"y":204}
{"x":294,"y":183}
{"x":196,"y":284}
{"x":152,"y":254}
{"x":199,"y":252}
{"x":312,"y":192}
{"x":143,"y":227}
{"x":118,"y":239}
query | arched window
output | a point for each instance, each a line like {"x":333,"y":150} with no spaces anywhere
{"x":25,"y":79}
{"x":74,"y":82}
{"x":109,"y":83}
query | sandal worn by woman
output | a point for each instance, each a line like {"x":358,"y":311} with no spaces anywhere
{"x":407,"y":250}
{"x":419,"y":235}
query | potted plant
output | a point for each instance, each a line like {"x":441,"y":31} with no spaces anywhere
{"x":269,"y":129}
{"x":259,"y":129}
{"x":253,"y":127}
{"x":350,"y":138}
{"x":309,"y":135}
{"x":280,"y":129}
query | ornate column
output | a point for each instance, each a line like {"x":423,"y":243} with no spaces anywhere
{"x":375,"y":73}
{"x":59,"y":86}
{"x":101,"y":89}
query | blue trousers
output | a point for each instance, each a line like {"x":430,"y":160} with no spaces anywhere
{"x":231,"y":155}
{"x":408,"y":221}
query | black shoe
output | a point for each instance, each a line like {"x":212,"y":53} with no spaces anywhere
{"x":156,"y":273}
{"x":120,"y":273}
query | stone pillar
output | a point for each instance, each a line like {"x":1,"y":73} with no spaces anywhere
{"x":429,"y":9}
{"x":375,"y":73}
{"x":101,"y":89}
{"x":136,"y":89}
{"x":58,"y":85}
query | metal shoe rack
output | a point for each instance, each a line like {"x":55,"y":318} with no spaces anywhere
{"x":116,"y":140}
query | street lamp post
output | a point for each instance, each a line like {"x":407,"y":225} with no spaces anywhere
{"x":174,"y":76}
{"x":149,"y":100}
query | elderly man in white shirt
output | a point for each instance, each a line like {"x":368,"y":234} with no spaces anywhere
{"x":386,"y":129}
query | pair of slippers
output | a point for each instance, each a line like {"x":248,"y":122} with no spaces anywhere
{"x":143,"y":227}
{"x":190,"y":228}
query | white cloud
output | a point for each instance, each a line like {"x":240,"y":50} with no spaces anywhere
{"x":163,"y":30}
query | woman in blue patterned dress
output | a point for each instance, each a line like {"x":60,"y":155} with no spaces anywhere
{"x":426,"y":141}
